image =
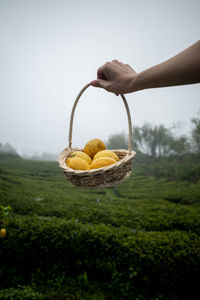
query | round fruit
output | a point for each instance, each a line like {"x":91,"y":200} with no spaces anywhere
{"x":3,"y":232}
{"x":77,"y":163}
{"x":94,"y":146}
{"x":102,"y":162}
{"x":106,"y":153}
{"x":82,"y":155}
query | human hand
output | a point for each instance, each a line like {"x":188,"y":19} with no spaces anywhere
{"x":115,"y":77}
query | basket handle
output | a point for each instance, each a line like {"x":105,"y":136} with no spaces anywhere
{"x":127,"y":111}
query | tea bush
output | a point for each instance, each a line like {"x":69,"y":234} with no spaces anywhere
{"x":20,"y":293}
{"x":140,"y":240}
{"x":127,"y":261}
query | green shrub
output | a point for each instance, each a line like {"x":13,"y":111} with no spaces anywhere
{"x":138,"y":241}
{"x":20,"y":293}
{"x":127,"y":261}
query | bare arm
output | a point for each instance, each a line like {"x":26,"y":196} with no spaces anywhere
{"x":119,"y":78}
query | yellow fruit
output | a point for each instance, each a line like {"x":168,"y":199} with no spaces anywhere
{"x":3,"y":232}
{"x":77,"y":163}
{"x":102,"y":162}
{"x":106,"y":153}
{"x":94,"y":146}
{"x":82,"y":155}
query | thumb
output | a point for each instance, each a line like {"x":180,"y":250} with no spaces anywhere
{"x":100,"y":83}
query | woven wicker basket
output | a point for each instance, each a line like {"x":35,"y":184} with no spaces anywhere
{"x":102,"y":177}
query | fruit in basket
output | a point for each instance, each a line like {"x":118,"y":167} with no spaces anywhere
{"x":77,"y":163}
{"x":94,"y":146}
{"x":106,"y":153}
{"x":82,"y":155}
{"x":102,"y":162}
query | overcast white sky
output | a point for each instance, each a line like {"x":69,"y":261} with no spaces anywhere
{"x":50,"y":49}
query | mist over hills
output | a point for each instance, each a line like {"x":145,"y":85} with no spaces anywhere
{"x":7,"y":149}
{"x":44,"y":156}
{"x":151,"y":140}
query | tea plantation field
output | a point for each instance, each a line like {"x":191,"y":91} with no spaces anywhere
{"x":140,"y":240}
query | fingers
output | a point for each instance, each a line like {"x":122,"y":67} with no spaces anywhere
{"x":116,"y":62}
{"x":129,"y":67}
{"x":101,"y":74}
{"x":103,"y":84}
{"x":114,"y":77}
{"x":100,"y":83}
{"x":120,"y":63}
{"x":105,"y":70}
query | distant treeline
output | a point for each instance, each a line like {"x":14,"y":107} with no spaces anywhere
{"x":7,"y":149}
{"x":44,"y":156}
{"x":161,"y":153}
{"x":159,"y":141}
{"x":153,"y":141}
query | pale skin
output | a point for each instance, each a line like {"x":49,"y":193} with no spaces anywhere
{"x":181,"y":69}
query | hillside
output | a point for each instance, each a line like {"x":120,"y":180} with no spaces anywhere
{"x":139,"y":240}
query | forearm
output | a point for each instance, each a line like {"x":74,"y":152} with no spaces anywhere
{"x":184,"y":68}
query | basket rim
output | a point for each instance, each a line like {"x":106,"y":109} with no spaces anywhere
{"x":62,"y":157}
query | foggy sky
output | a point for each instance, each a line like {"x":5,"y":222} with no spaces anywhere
{"x":50,"y":49}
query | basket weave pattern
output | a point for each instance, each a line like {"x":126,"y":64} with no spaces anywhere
{"x":99,"y":178}
{"x":102,"y":177}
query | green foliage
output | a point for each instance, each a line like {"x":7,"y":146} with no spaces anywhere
{"x":20,"y":293}
{"x":117,"y":141}
{"x":196,"y":134}
{"x":4,"y":211}
{"x":173,"y":167}
{"x":129,"y":261}
{"x":180,"y":146}
{"x":152,"y":140}
{"x":140,"y":240}
{"x":7,"y":149}
{"x":158,"y":141}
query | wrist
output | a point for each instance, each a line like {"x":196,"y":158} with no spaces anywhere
{"x":143,"y":80}
{"x":135,"y":84}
